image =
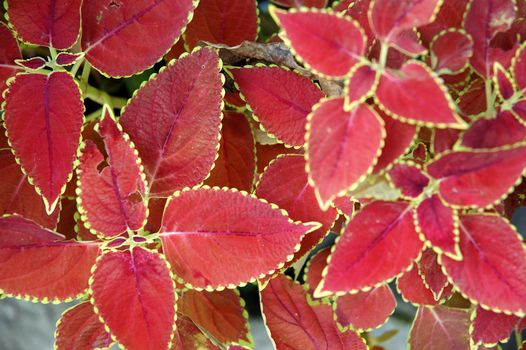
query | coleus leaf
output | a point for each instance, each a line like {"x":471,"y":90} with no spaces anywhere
{"x":440,"y":327}
{"x":285,"y":184}
{"x":235,"y":165}
{"x":33,"y":63}
{"x":66,"y":58}
{"x":359,"y":12}
{"x":52,"y":105}
{"x":505,"y":86}
{"x":210,"y":237}
{"x":47,"y":23}
{"x":365,"y":311}
{"x":79,"y":328}
{"x":328,"y":43}
{"x":228,"y":22}
{"x":125,"y":28}
{"x":450,"y":51}
{"x":412,"y":288}
{"x":267,"y":153}
{"x":300,"y":3}
{"x":294,"y":323}
{"x":518,"y":68}
{"x":472,"y":100}
{"x":220,"y":313}
{"x":9,"y":53}
{"x":189,"y":337}
{"x":280,"y":100}
{"x":342,"y":147}
{"x":38,"y":264}
{"x":379,"y":243}
{"x":408,"y":43}
{"x":431,"y":272}
{"x":396,"y":95}
{"x":450,"y":15}
{"x":360,"y":86}
{"x":110,"y":200}
{"x":409,"y":178}
{"x":490,"y":327}
{"x":443,"y":140}
{"x":314,"y":270}
{"x":467,"y":178}
{"x":493,"y":255}
{"x":133,"y":293}
{"x":174,"y":122}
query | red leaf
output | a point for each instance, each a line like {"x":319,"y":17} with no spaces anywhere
{"x":431,"y":272}
{"x":450,"y":51}
{"x":110,"y":201}
{"x":328,"y":43}
{"x":235,"y":166}
{"x":412,"y":288}
{"x":280,"y":100}
{"x":439,"y":225}
{"x":519,"y":110}
{"x":174,"y":122}
{"x":228,"y":22}
{"x":18,"y":196}
{"x":285,"y":184}
{"x":390,"y":17}
{"x":221,"y":314}
{"x":358,"y":11}
{"x":345,"y":206}
{"x":360,"y":86}
{"x":450,"y":15}
{"x":47,"y":23}
{"x":267,"y":153}
{"x":518,"y":68}
{"x":408,"y":43}
{"x":33,"y":63}
{"x":472,"y":100}
{"x":443,"y":140}
{"x":37,"y":264}
{"x":9,"y":53}
{"x":493,"y":255}
{"x":124,"y":29}
{"x":342,"y":147}
{"x":52,"y":105}
{"x":79,"y":328}
{"x":439,"y":328}
{"x":379,"y":243}
{"x":503,"y":82}
{"x":409,"y":178}
{"x":365,"y":311}
{"x":189,"y":337}
{"x":66,"y":58}
{"x":301,"y":3}
{"x":314,"y":270}
{"x":397,"y":90}
{"x":295,"y":324}
{"x":490,"y":327}
{"x":468,"y":178}
{"x":502,"y":130}
{"x":133,"y":293}
{"x":211,"y":237}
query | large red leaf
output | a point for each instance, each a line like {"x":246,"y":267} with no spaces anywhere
{"x":329,"y":43}
{"x":342,"y":147}
{"x":450,"y":52}
{"x":47,"y":22}
{"x":492,"y":271}
{"x":504,"y":129}
{"x":439,"y":328}
{"x":285,"y":184}
{"x":8,"y":54}
{"x":478,"y":178}
{"x":293,"y":323}
{"x":490,"y":327}
{"x":174,"y":122}
{"x":300,"y":3}
{"x":280,"y":100}
{"x":365,"y":310}
{"x":52,"y":106}
{"x":79,"y":328}
{"x":17,"y":196}
{"x":110,"y":200}
{"x":379,"y":243}
{"x":236,"y":164}
{"x":228,"y":22}
{"x":133,"y":293}
{"x":221,"y":314}
{"x":216,"y":238}
{"x":415,"y":95}
{"x":36,"y":264}
{"x":126,"y":37}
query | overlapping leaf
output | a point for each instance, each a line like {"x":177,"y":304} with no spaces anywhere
{"x":504,"y":129}
{"x":8,"y":55}
{"x":409,"y":178}
{"x":490,"y":327}
{"x":450,"y":51}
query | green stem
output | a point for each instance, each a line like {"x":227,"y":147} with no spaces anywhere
{"x":84,"y":79}
{"x":384,"y":49}
{"x":93,"y":116}
{"x":518,"y":338}
{"x":490,"y":98}
{"x":53,"y":53}
{"x":76,"y":66}
{"x":102,"y":97}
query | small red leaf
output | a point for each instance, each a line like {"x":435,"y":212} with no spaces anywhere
{"x":500,"y":131}
{"x":52,"y":105}
{"x":314,"y":270}
{"x":472,"y":100}
{"x":397,"y":90}
{"x":431,"y":272}
{"x":267,"y":153}
{"x":47,"y":22}
{"x":295,"y":324}
{"x":33,"y":63}
{"x":407,"y":42}
{"x":493,"y":255}
{"x":228,"y":22}
{"x":134,"y":295}
{"x":110,"y":200}
{"x":328,"y":43}
{"x":443,"y":140}
{"x":504,"y":84}
{"x":365,"y":311}
{"x":409,"y":178}
{"x":66,"y":58}
{"x":36,"y":263}
{"x":412,"y":288}
{"x":125,"y":29}
{"x":79,"y":328}
{"x":439,"y":328}
{"x":9,"y":53}
{"x":450,"y":51}
{"x":439,"y":225}
{"x":211,"y":237}
{"x":342,"y":147}
{"x":360,"y":86}
{"x":468,"y":178}
{"x":301,"y":3}
{"x":174,"y":122}
{"x":490,"y":327}
{"x":379,"y":243}
{"x":450,"y":15}
{"x":221,"y":314}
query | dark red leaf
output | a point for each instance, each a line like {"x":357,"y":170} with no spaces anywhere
{"x":314,"y":270}
{"x":431,"y":272}
{"x":450,"y":15}
{"x":300,"y":3}
{"x":504,"y":84}
{"x":490,"y":327}
{"x":33,"y":63}
{"x":443,"y":140}
{"x":518,"y":68}
{"x":409,"y":178}
{"x":66,"y":58}
{"x":450,"y":51}
{"x":267,"y":153}
{"x":472,"y":100}
{"x":412,"y":288}
{"x":360,"y":86}
{"x":8,"y":54}
{"x":502,"y":130}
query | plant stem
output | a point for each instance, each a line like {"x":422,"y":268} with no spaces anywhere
{"x":490,"y":98}
{"x":518,"y":338}
{"x":384,"y":48}
{"x":53,"y":53}
{"x":93,"y":116}
{"x":102,"y":97}
{"x":76,"y":66}
{"x":84,"y":79}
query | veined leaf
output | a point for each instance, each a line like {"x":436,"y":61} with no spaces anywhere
{"x":9,"y":53}
{"x":491,"y":327}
